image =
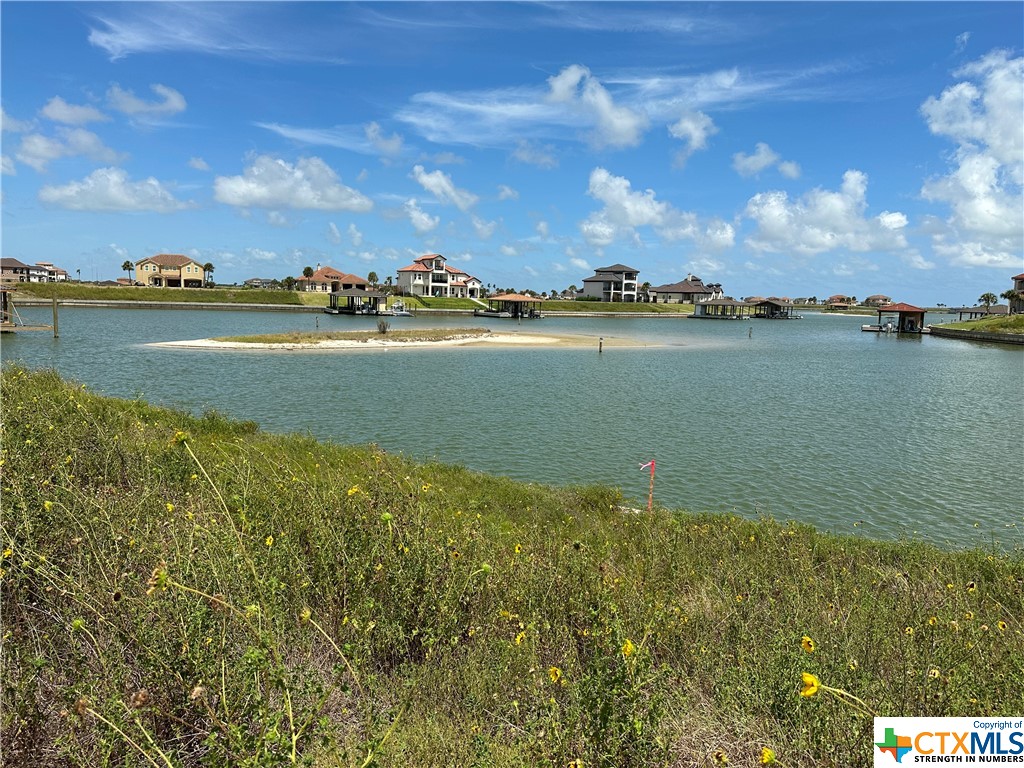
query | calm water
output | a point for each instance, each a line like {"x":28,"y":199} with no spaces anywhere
{"x":810,"y":420}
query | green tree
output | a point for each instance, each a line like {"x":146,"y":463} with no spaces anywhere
{"x":127,"y":266}
{"x":987,"y":300}
{"x":372,"y":277}
{"x":208,"y":274}
{"x":1011,"y":296}
{"x":288,"y":283}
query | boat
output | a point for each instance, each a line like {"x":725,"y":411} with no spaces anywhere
{"x":884,"y":325}
{"x":491,"y":313}
{"x":398,"y":310}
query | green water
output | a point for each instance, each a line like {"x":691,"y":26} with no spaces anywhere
{"x":810,"y":420}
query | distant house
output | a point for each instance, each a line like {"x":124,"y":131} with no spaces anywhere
{"x":615,"y":283}
{"x":13,"y":271}
{"x":878,"y":300}
{"x":431,"y":275}
{"x":838,"y":301}
{"x":1017,"y":305}
{"x":331,"y":280}
{"x":169,"y":270}
{"x":259,"y":282}
{"x":692,"y":290}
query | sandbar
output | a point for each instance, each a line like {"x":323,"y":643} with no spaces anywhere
{"x":491,"y":340}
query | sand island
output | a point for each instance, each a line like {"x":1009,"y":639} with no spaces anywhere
{"x":399,"y":339}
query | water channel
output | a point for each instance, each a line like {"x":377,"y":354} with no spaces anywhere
{"x":809,"y":419}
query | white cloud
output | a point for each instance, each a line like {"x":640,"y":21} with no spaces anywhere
{"x":274,"y":183}
{"x":580,"y":263}
{"x":981,"y":114}
{"x":60,"y":111}
{"x":333,"y":235}
{"x":389,"y":147}
{"x":7,"y":166}
{"x":693,"y":129}
{"x":277,"y":219}
{"x":823,"y":220}
{"x":259,"y":254}
{"x":171,"y":103}
{"x":543,"y":230}
{"x":532,"y":154}
{"x":506,"y":192}
{"x":109,"y":189}
{"x":355,"y":235}
{"x":440,"y":185}
{"x":13,"y":125}
{"x":421,"y":221}
{"x":625,"y":209}
{"x":38,"y":151}
{"x":613,"y":125}
{"x":750,"y":165}
{"x":198,"y":164}
{"x":484,"y":229}
{"x":530,"y":270}
{"x":789,"y":169}
{"x":508,"y":250}
{"x":961,"y":41}
{"x":448,"y":158}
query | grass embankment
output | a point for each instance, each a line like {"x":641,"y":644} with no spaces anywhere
{"x":624,"y":307}
{"x":1001,"y":324}
{"x":138,"y":293}
{"x":189,"y":591}
{"x":399,"y":335}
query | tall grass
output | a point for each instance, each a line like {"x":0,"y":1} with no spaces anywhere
{"x":181,"y":590}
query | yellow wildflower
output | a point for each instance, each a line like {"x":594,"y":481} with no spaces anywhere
{"x":807,"y":644}
{"x":520,"y":637}
{"x":720,"y":757}
{"x":628,"y":648}
{"x":354,"y":490}
{"x":811,"y":684}
{"x":767,"y":756}
{"x":971,"y":586}
{"x":270,"y":541}
{"x":933,"y":673}
{"x":519,"y":548}
{"x":908,"y":631}
{"x":932,"y":621}
{"x":47,"y":505}
{"x":1001,"y":625}
{"x":969,"y":615}
{"x":555,"y":674}
{"x":170,"y":507}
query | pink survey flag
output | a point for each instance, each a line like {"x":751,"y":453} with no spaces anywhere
{"x":648,"y":464}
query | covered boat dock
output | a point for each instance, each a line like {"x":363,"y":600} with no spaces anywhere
{"x":355,"y":301}
{"x":515,"y":305}
{"x":722,"y":309}
{"x":909,"y":319}
{"x":775,"y":309}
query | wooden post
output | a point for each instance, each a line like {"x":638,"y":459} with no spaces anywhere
{"x":600,"y":344}
{"x":56,"y":334}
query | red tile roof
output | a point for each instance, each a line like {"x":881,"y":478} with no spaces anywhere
{"x":900,"y":307}
{"x":169,"y":260}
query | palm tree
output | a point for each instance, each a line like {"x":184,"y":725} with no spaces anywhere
{"x":1011,"y":296}
{"x":207,"y":270}
{"x":127,"y":266}
{"x":372,"y":277}
{"x":987,"y":300}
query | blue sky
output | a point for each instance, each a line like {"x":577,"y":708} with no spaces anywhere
{"x":789,"y":149}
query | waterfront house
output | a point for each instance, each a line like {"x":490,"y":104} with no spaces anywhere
{"x":615,"y":283}
{"x":692,"y":290}
{"x":878,"y":300}
{"x":1017,"y":304}
{"x":431,"y":275}
{"x":13,"y":271}
{"x":330,"y":280}
{"x":169,"y":270}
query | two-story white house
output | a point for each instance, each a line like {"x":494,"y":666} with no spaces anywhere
{"x":1017,"y":304}
{"x":430,"y":275}
{"x":615,"y":283}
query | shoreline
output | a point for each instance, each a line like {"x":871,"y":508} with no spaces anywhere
{"x":491,"y":341}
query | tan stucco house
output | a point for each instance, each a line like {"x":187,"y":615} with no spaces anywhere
{"x":169,"y":270}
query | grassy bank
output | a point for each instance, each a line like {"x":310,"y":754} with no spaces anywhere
{"x":83,"y":291}
{"x":190,"y":591}
{"x":623,"y":307}
{"x":1001,"y":324}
